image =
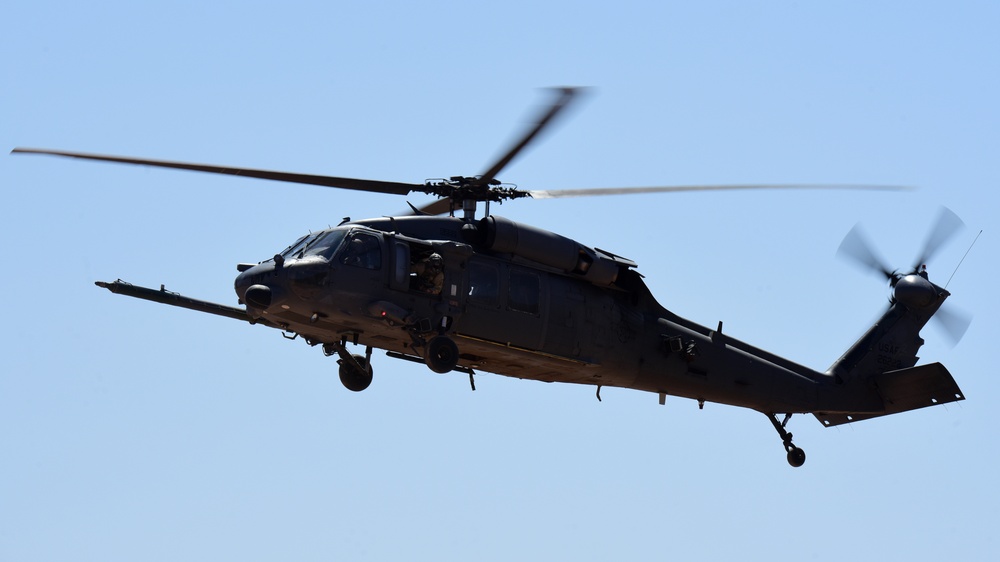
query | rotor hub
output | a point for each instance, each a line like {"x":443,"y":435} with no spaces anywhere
{"x":464,"y":188}
{"x":914,"y":291}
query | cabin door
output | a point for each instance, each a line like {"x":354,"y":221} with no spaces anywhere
{"x":505,"y":304}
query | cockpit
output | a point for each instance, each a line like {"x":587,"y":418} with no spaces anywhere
{"x":323,"y":244}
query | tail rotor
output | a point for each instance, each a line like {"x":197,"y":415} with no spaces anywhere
{"x":911,"y":286}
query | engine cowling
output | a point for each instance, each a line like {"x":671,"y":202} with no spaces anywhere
{"x":547,"y":248}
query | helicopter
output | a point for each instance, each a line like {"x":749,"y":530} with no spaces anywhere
{"x":472,"y":294}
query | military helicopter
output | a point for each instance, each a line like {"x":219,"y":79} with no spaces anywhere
{"x":468,"y":294}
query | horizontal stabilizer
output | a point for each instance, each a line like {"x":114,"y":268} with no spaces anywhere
{"x":904,"y":390}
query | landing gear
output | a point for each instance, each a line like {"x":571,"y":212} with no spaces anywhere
{"x":354,"y":378}
{"x":796,"y":456}
{"x":441,"y":354}
{"x":355,"y":370}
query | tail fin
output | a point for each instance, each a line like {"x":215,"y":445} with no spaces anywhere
{"x":892,"y":343}
{"x":879,"y":368}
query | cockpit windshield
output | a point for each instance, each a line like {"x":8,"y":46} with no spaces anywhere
{"x":297,"y":246}
{"x":325,"y":244}
{"x":319,"y":244}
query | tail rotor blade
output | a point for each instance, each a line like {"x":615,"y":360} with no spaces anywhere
{"x":953,"y":324}
{"x":948,"y":224}
{"x":858,"y":249}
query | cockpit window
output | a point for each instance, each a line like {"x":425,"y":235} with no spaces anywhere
{"x":325,"y":244}
{"x":298,"y":245}
{"x":362,"y":251}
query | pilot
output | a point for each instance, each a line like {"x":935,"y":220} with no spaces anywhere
{"x":362,"y":251}
{"x":430,"y":274}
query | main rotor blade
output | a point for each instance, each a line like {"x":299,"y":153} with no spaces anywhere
{"x":438,"y":207}
{"x":557,"y":193}
{"x":856,"y":247}
{"x":948,"y":224}
{"x":563,"y":99}
{"x":325,"y":181}
{"x":442,"y":206}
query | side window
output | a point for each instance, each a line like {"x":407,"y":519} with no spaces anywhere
{"x":362,"y":250}
{"x":484,"y":283}
{"x":401,"y":276}
{"x":524,"y":292}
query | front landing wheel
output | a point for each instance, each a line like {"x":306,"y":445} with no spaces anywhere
{"x":353,"y":379}
{"x":441,"y":354}
{"x":796,"y":457}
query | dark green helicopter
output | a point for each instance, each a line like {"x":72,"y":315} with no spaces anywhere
{"x":489,"y":294}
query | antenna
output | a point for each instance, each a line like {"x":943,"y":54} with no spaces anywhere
{"x":963,"y":259}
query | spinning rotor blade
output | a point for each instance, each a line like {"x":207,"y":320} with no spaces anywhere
{"x":948,"y":224}
{"x":565,"y":96}
{"x":558,"y":193}
{"x":953,"y":324}
{"x":325,"y":181}
{"x":442,"y":206}
{"x":858,"y":249}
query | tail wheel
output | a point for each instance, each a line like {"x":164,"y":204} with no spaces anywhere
{"x":441,"y":355}
{"x":796,"y":457}
{"x":353,"y":379}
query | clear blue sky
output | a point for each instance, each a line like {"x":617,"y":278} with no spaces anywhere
{"x":134,"y":431}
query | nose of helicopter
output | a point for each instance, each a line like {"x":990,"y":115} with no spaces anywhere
{"x":259,"y":286}
{"x":277,"y":283}
{"x":258,"y":296}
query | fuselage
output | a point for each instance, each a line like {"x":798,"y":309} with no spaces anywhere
{"x":512,"y":315}
{"x":514,"y":300}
